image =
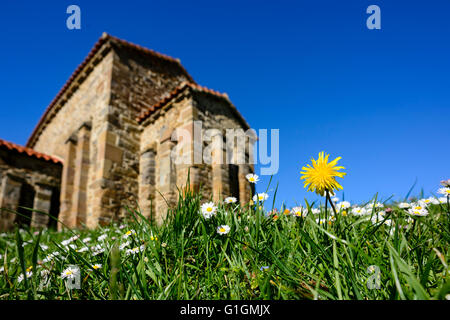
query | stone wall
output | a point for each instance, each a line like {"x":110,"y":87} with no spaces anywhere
{"x":65,"y":137}
{"x":137,"y":83}
{"x":160,"y":173}
{"x":25,"y":178}
{"x":216,"y":113}
{"x":161,"y":176}
{"x":88,"y":99}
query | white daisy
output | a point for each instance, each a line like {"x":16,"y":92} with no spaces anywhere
{"x":358,"y":211}
{"x":260,"y":197}
{"x":66,"y":242}
{"x":70,"y":273}
{"x":102,"y":237}
{"x":20,"y":278}
{"x":252,"y":178}
{"x":371,"y":205}
{"x":129,"y":233}
{"x":299,"y":211}
{"x":443,"y":200}
{"x":418,"y":209}
{"x":135,"y":250}
{"x":321,"y":221}
{"x":343,"y":205}
{"x":74,"y":238}
{"x":230,"y":200}
{"x":444,"y":191}
{"x":430,"y":200}
{"x":378,"y":217}
{"x":123,"y":245}
{"x":208,"y":210}
{"x":96,"y":253}
{"x":224,"y":229}
{"x":97,"y":249}
{"x":404,"y":205}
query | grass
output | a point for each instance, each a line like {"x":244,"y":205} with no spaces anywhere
{"x":264,"y":256}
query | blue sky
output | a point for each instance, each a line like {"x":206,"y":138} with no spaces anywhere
{"x":380,"y":99}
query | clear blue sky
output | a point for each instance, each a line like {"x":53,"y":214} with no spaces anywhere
{"x":380,"y":99}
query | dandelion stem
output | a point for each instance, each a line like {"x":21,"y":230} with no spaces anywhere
{"x":331,"y":203}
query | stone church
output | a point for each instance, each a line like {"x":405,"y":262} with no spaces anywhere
{"x":106,"y":140}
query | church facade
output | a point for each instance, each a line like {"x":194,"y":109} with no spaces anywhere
{"x":122,"y":132}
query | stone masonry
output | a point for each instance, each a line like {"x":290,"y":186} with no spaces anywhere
{"x":115,"y":126}
{"x":27,"y":179}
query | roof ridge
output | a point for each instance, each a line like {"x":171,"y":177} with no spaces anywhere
{"x":95,"y":49}
{"x":28,"y":151}
{"x":142,"y":48}
{"x":183,"y":85}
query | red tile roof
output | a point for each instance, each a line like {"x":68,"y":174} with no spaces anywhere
{"x":180,"y":89}
{"x":28,"y":151}
{"x":98,"y":45}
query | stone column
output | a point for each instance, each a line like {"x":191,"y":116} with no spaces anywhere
{"x":68,"y":175}
{"x":147,"y":182}
{"x":79,"y":198}
{"x":166,"y":183}
{"x":245,"y":188}
{"x":9,"y":199}
{"x":184,"y":158}
{"x":217,"y":164}
{"x":245,"y":155}
{"x":42,"y":202}
{"x":102,"y":186}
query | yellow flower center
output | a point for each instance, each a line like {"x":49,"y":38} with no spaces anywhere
{"x":222,"y":229}
{"x":209,"y":209}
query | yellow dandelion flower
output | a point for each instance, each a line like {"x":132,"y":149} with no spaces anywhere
{"x":321,"y":176}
